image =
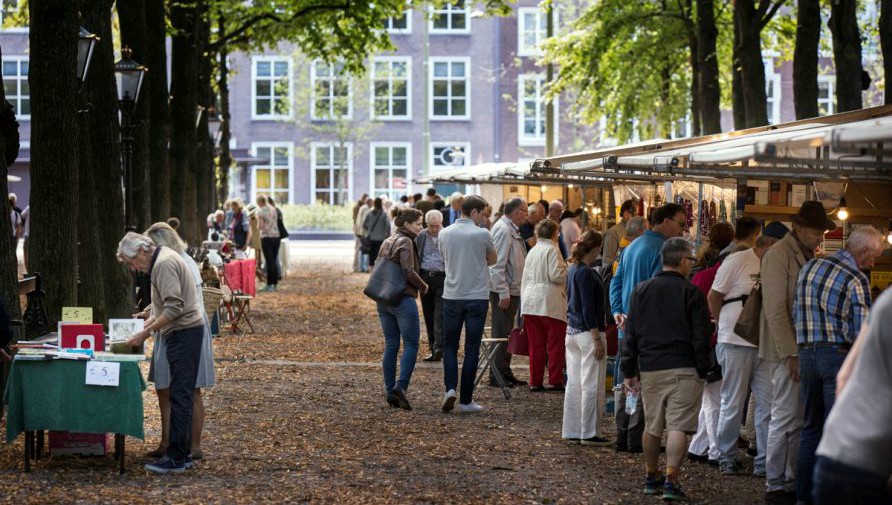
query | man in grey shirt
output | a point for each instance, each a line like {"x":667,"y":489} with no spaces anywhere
{"x":854,"y":462}
{"x":468,"y":251}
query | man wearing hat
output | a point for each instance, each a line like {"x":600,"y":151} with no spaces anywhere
{"x":777,"y":345}
{"x":742,"y":369}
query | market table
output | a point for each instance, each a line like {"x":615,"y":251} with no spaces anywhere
{"x":52,"y":395}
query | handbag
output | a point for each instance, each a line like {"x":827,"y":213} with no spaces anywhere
{"x":283,"y":232}
{"x":747,"y":325}
{"x":387,"y":283}
{"x":517,"y":339}
{"x":365,"y":245}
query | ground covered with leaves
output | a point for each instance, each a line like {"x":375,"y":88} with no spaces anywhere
{"x":298,"y":416}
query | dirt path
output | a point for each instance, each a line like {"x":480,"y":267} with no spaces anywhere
{"x":298,"y":416}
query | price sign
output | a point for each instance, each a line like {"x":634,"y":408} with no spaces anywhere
{"x":83,"y":315}
{"x":103,"y":373}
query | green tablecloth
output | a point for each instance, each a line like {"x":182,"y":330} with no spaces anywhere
{"x":52,"y":395}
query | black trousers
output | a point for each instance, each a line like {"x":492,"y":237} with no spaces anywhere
{"x":432,"y":308}
{"x":183,"y":354}
{"x":375,"y":246}
{"x":502,"y":324}
{"x":270,"y":246}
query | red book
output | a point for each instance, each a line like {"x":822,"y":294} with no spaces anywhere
{"x":82,"y":336}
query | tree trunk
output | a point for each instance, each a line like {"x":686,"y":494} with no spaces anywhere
{"x":132,"y":16}
{"x":225,"y":133}
{"x":159,"y":114}
{"x":696,"y":75}
{"x":738,"y":105}
{"x":91,"y":290}
{"x":805,"y":59}
{"x":54,"y":149}
{"x":8,"y":262}
{"x":106,"y":157}
{"x":846,"y":54}
{"x":204,"y":161}
{"x":709,"y":90}
{"x":183,"y":107}
{"x":751,"y":65}
{"x":886,"y":45}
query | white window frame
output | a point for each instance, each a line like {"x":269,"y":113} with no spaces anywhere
{"x":332,"y":78}
{"x":391,"y":59}
{"x":773,"y":79}
{"x":272,"y":116}
{"x":349,"y":158}
{"x":466,"y":149}
{"x":373,"y":167}
{"x":523,"y":140}
{"x":400,"y":31}
{"x":272,"y":147}
{"x":17,"y":99}
{"x":449,"y":10}
{"x":452,"y":59}
{"x":541,"y":35}
{"x":830,"y":102}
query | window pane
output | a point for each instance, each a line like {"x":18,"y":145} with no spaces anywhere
{"x":281,"y":68}
{"x":441,"y":22}
{"x":458,"y":107}
{"x":10,"y":68}
{"x":381,"y":179}
{"x":381,"y":89}
{"x":25,"y":87}
{"x":340,"y":155}
{"x":323,"y":179}
{"x":441,"y":69}
{"x":10,"y":88}
{"x":263,"y":69}
{"x":458,"y":69}
{"x":281,"y":178}
{"x":323,"y":156}
{"x":458,"y":21}
{"x":26,"y":108}
{"x":281,"y":197}
{"x":400,"y":69}
{"x":399,"y":157}
{"x":281,"y":156}
{"x":322,"y":196}
{"x":441,"y":88}
{"x":381,"y":107}
{"x":399,"y":88}
{"x":382,"y":156}
{"x":458,"y":88}
{"x":263,"y":178}
{"x":264,"y":107}
{"x":400,"y":107}
{"x":441,"y":107}
{"x":264,"y":88}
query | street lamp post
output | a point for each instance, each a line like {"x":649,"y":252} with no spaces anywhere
{"x":214,"y":133}
{"x":129,"y":75}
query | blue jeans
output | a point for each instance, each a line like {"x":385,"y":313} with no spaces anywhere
{"x":399,"y":321}
{"x":817,"y":378}
{"x":618,"y":376}
{"x":471,"y":314}
{"x":363,"y":262}
{"x":836,"y":482}
{"x":183,"y":354}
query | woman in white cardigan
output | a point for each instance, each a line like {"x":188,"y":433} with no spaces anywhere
{"x":543,"y":303}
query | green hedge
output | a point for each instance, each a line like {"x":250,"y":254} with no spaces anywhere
{"x":319,"y":217}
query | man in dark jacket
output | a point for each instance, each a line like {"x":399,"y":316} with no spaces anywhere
{"x":433,"y":272}
{"x":667,"y":353}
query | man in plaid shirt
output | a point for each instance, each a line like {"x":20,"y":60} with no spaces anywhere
{"x":832,"y":301}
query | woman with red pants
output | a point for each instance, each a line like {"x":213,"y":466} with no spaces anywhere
{"x":543,"y":303}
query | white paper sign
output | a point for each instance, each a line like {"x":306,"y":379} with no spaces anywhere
{"x":103,"y":373}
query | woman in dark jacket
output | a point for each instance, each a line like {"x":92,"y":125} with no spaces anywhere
{"x":586,"y":345}
{"x":401,"y":320}
{"x":377,"y":228}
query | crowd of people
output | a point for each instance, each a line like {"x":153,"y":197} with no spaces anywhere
{"x":685,"y":365}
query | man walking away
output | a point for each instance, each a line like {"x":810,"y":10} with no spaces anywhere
{"x":777,"y":345}
{"x":667,"y":345}
{"x":504,"y":280}
{"x":467,"y":252}
{"x":615,"y":234}
{"x":832,"y":300}
{"x":433,"y":272}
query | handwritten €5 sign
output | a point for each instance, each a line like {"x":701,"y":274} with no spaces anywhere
{"x":103,"y":373}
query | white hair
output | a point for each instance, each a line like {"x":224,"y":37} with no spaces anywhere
{"x":456,"y":196}
{"x":433,"y":216}
{"x":132,"y":244}
{"x":863,"y":239}
{"x":163,"y":235}
{"x":533,"y":208}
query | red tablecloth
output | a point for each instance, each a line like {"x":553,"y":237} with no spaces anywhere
{"x":240,"y":276}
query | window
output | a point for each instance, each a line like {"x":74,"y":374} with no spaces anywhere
{"x":332,"y":168}
{"x":272,"y":88}
{"x":15,"y":83}
{"x":532,"y":29}
{"x":273,"y":177}
{"x":446,"y":155}
{"x":450,"y":18}
{"x":400,"y":25}
{"x":449,"y":88}
{"x":391,"y":88}
{"x":391,"y":164}
{"x":531,"y":110}
{"x":332,"y":90}
{"x":772,"y":92}
{"x":826,"y":94}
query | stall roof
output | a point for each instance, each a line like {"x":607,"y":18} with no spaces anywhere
{"x":852,"y":145}
{"x":481,"y":173}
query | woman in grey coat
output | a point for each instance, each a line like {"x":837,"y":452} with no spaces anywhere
{"x":377,"y":227}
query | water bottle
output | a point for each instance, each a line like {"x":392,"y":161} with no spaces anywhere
{"x":631,"y":401}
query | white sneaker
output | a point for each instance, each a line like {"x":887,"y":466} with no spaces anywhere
{"x":449,"y":400}
{"x":469,"y":408}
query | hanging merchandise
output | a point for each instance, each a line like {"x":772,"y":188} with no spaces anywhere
{"x":640,"y":207}
{"x":704,"y":218}
{"x":713,"y":213}
{"x":723,"y":210}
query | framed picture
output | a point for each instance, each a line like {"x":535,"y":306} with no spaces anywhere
{"x":119,"y":330}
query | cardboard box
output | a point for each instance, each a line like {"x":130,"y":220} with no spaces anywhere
{"x":797,"y":195}
{"x":761,"y":190}
{"x":778,"y":194}
{"x":70,"y":442}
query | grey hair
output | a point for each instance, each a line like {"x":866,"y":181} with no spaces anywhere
{"x":636,"y":226}
{"x":433,"y":215}
{"x":132,"y":244}
{"x":674,"y":250}
{"x":163,"y":235}
{"x":863,"y":239}
{"x":533,"y":208}
{"x":513,"y":204}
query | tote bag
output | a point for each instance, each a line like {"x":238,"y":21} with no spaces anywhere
{"x":387,"y":282}
{"x":748,"y":323}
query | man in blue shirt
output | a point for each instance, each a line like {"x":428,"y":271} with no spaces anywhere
{"x":831,"y":304}
{"x":640,"y":262}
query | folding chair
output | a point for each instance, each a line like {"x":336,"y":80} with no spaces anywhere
{"x":488,"y":349}
{"x":238,"y":306}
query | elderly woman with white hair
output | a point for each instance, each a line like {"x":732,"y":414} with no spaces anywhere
{"x":159,"y":372}
{"x":177,"y":316}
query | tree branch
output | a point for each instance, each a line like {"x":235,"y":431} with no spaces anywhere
{"x":767,"y":13}
{"x":237,"y":34}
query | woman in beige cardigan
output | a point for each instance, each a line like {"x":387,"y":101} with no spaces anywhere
{"x":543,"y":303}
